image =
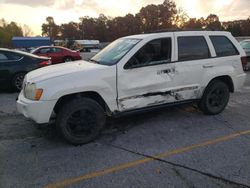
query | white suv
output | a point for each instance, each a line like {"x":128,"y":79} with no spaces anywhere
{"x":135,"y":73}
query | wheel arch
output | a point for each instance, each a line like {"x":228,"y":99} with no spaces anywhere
{"x":88,"y":94}
{"x":226,"y":79}
{"x":68,"y":56}
{"x":14,"y":75}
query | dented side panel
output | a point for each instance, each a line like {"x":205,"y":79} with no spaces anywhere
{"x":158,"y":98}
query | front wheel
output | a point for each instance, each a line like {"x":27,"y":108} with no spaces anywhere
{"x":80,"y":121}
{"x":17,"y":81}
{"x":215,"y":98}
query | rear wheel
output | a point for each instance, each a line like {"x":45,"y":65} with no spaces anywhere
{"x":215,"y":98}
{"x":17,"y":81}
{"x":80,"y":121}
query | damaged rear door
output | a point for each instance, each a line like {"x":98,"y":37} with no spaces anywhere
{"x":148,"y":78}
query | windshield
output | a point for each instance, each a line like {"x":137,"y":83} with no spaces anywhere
{"x":245,"y":44}
{"x":115,"y":51}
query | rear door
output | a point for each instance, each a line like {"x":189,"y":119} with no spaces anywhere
{"x":193,"y":59}
{"x":56,"y":55}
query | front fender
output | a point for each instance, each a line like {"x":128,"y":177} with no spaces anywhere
{"x":102,"y":83}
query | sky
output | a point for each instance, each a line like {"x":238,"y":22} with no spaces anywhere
{"x":33,"y":13}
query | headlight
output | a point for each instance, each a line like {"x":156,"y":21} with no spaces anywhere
{"x":31,"y":92}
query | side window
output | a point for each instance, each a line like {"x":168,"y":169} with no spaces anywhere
{"x":44,"y":50}
{"x":3,"y":57}
{"x":192,"y":48}
{"x":153,"y":53}
{"x":55,"y":50}
{"x":223,"y":46}
{"x":13,"y":56}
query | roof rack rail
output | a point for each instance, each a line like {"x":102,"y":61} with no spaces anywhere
{"x":176,"y":30}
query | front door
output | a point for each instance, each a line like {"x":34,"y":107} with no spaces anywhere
{"x":148,"y":78}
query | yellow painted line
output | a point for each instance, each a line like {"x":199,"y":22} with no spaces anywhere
{"x":120,"y":167}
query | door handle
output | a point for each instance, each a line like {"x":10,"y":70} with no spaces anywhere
{"x":208,"y":66}
{"x":166,"y":71}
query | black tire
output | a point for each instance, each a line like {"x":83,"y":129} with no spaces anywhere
{"x":215,"y":98}
{"x":68,"y":59}
{"x":80,"y":121}
{"x":17,"y":81}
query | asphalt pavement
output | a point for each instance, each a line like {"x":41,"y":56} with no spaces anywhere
{"x":174,"y":147}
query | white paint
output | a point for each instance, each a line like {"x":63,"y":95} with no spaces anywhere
{"x":186,"y":81}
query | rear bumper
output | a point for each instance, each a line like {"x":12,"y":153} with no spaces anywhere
{"x":39,"y":111}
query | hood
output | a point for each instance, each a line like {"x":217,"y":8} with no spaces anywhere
{"x":57,"y":70}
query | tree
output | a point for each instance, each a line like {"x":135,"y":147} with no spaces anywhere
{"x":7,"y":31}
{"x":168,"y":14}
{"x":27,"y":32}
{"x":70,"y":31}
{"x":194,"y":23}
{"x":158,"y":17}
{"x":246,"y":27}
{"x":88,"y":27}
{"x":14,"y":29}
{"x":213,"y":23}
{"x":50,"y":28}
{"x":151,"y":18}
{"x":234,"y":28}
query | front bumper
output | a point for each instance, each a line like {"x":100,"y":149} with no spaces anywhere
{"x":39,"y":111}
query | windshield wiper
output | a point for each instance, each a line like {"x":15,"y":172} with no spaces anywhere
{"x":94,"y":61}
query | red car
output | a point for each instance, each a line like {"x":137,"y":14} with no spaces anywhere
{"x":57,"y":54}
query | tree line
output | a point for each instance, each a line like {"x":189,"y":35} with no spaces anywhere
{"x":151,"y":18}
{"x":8,"y":30}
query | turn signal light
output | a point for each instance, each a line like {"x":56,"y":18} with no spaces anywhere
{"x":38,"y":94}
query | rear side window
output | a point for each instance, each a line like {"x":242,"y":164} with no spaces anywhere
{"x":192,"y":48}
{"x":44,"y":50}
{"x":223,"y":46}
{"x":55,"y":50}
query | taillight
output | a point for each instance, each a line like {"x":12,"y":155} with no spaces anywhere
{"x":45,"y":63}
{"x":244,"y":62}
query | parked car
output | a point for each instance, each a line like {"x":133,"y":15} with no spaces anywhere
{"x":88,"y":52}
{"x":57,"y":54}
{"x":246,"y":46}
{"x":15,"y":64}
{"x":133,"y":74}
